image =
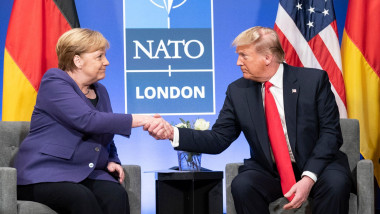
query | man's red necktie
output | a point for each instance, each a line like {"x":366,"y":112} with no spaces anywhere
{"x":278,"y":142}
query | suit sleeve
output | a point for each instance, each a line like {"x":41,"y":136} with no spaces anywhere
{"x":60,"y":101}
{"x":330,"y":136}
{"x":113,"y":157}
{"x":214,"y":141}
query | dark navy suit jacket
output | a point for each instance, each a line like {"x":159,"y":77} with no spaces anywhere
{"x":312,"y":120}
{"x":69,"y":139}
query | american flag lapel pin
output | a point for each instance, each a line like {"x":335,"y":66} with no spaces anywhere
{"x":294,"y":90}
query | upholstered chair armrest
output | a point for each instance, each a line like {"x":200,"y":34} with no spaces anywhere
{"x":232,"y":170}
{"x":132,"y":184}
{"x":365,"y":187}
{"x":8,"y":190}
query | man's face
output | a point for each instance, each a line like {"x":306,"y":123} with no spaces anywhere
{"x":252,"y":64}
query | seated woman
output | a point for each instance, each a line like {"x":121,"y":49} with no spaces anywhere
{"x":69,"y":161}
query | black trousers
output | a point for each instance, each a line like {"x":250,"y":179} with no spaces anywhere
{"x":254,"y":190}
{"x":89,"y":196}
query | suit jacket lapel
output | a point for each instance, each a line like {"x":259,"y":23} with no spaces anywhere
{"x":255,"y":104}
{"x":291,"y":91}
{"x":77,"y":89}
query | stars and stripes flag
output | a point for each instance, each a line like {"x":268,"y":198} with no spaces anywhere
{"x":308,"y":34}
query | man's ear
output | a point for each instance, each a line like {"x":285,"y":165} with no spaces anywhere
{"x":77,"y":61}
{"x":268,"y":59}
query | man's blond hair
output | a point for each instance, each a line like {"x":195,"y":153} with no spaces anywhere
{"x":265,"y":40}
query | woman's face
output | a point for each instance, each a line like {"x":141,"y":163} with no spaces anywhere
{"x":93,"y":65}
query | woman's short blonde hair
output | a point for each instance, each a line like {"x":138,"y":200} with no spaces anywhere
{"x":264,"y":40}
{"x":75,"y":42}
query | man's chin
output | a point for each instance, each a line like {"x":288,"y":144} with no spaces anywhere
{"x":246,"y":76}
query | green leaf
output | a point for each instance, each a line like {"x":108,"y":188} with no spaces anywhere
{"x":189,"y":157}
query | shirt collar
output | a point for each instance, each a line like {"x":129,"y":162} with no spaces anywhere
{"x":276,"y":80}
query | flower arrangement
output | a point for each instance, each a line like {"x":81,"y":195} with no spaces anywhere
{"x":200,"y":124}
{"x":191,"y":160}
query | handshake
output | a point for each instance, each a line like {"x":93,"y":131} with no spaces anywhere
{"x":157,"y":127}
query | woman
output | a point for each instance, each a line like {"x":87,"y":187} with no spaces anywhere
{"x":69,"y":160}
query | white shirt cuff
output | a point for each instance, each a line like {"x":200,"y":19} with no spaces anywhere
{"x":175,"y":142}
{"x":311,"y":175}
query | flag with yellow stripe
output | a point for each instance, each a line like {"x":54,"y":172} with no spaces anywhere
{"x":33,"y":31}
{"x":361,"y":71}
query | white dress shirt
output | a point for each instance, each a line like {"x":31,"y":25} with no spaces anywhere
{"x":277,"y":92}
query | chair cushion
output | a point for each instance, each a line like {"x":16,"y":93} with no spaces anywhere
{"x":30,"y":207}
{"x":353,"y":207}
{"x":11,"y":135}
{"x":276,"y":206}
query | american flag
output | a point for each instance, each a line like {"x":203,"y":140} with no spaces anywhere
{"x":309,"y":37}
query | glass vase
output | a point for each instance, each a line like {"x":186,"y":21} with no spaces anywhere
{"x":189,"y":161}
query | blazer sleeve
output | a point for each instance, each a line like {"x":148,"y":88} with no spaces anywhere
{"x":214,"y":141}
{"x":60,"y":101}
{"x":330,"y":136}
{"x":113,"y":156}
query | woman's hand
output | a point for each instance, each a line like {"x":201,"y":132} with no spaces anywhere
{"x":156,"y":126}
{"x":140,"y":120}
{"x":159,"y":128}
{"x":116,"y":169}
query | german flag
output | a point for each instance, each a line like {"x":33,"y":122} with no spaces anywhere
{"x":361,"y":72}
{"x":33,"y":31}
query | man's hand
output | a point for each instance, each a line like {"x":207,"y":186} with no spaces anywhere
{"x":159,"y":128}
{"x":301,"y":191}
{"x":117,"y":170}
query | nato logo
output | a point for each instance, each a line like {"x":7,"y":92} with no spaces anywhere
{"x":169,"y":57}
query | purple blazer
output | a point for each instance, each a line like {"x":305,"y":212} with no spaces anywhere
{"x":69,"y":138}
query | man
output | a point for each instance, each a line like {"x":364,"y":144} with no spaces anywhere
{"x":309,"y":123}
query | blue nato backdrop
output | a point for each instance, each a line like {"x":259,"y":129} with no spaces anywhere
{"x":177,"y":62}
{"x":169,"y":57}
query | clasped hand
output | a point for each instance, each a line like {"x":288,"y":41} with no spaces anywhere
{"x":159,"y":128}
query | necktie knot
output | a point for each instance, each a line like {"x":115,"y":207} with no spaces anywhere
{"x":267,"y":85}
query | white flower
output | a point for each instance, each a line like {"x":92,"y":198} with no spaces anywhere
{"x":201,"y":124}
{"x":181,"y":125}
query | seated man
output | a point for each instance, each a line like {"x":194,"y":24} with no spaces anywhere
{"x":291,"y":121}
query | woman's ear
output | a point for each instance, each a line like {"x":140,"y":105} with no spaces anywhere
{"x":77,"y":61}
